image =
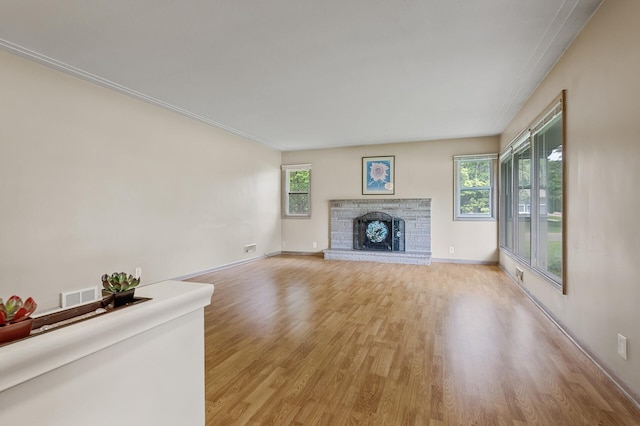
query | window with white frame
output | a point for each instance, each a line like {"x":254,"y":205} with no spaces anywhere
{"x":532,"y":201}
{"x":296,"y":191}
{"x":474,"y":187}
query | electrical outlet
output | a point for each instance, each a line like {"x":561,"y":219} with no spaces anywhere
{"x":138,"y":272}
{"x":315,"y":244}
{"x":622,"y":346}
{"x":519,"y":274}
{"x":452,"y":250}
{"x":250,"y":248}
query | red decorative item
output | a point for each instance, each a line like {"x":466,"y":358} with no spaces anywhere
{"x":15,"y":331}
{"x":15,"y":321}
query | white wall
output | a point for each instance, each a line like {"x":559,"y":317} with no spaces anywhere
{"x":153,"y":378}
{"x":92,"y":181}
{"x":600,"y":72}
{"x":422,"y":170}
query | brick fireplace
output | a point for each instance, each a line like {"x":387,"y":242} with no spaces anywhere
{"x":415,"y":214}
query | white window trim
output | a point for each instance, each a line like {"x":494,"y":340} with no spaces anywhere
{"x":491,"y":216}
{"x":286,"y":169}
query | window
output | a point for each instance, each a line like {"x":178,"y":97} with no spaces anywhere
{"x":532,"y":188}
{"x":547,"y":142}
{"x":296,"y":192}
{"x":506,"y":206}
{"x":522,"y":172}
{"x":474,"y":197}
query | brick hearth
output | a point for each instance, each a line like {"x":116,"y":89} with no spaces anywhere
{"x":416,"y":213}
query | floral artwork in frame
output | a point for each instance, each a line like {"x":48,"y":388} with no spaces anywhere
{"x":378,"y":175}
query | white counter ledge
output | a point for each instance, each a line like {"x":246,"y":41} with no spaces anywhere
{"x":143,"y":363}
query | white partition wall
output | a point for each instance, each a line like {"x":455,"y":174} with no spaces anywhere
{"x":142,"y":365}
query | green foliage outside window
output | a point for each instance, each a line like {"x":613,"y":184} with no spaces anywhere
{"x":299,"y":181}
{"x":298,"y":189}
{"x":554,"y":185}
{"x":475,"y":187}
{"x":298,"y":204}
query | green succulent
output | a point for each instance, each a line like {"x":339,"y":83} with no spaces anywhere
{"x":119,"y":282}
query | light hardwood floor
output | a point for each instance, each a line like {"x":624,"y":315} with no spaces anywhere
{"x":301,"y":340}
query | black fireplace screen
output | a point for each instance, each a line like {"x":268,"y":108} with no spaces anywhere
{"x":378,"y":231}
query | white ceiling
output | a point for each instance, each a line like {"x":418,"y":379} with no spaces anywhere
{"x":301,"y":74}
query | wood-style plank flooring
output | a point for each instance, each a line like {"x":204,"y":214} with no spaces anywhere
{"x":303,"y":341}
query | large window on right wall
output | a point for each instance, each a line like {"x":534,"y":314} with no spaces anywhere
{"x":532,"y":193}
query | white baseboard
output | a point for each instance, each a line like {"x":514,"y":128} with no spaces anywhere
{"x":219,"y":268}
{"x":303,"y":253}
{"x":464,"y":261}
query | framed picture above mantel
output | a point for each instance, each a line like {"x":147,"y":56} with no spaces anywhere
{"x":378,"y":175}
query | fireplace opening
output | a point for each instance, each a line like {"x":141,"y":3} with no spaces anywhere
{"x":378,"y":231}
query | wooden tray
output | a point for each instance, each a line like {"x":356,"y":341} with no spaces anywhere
{"x":56,"y":320}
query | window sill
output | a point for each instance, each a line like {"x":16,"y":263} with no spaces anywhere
{"x":523,"y":262}
{"x":474,"y":219}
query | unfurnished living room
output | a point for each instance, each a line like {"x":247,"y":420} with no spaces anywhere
{"x":414,"y":212}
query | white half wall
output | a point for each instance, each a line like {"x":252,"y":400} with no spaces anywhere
{"x":139,"y":365}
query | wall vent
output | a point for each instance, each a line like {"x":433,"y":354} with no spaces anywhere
{"x":78,"y":297}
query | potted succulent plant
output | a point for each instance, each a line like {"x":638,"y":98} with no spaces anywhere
{"x":15,"y":318}
{"x":121,"y":286}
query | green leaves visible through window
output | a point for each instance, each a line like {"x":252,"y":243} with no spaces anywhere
{"x":296,"y":191}
{"x":474,"y":187}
